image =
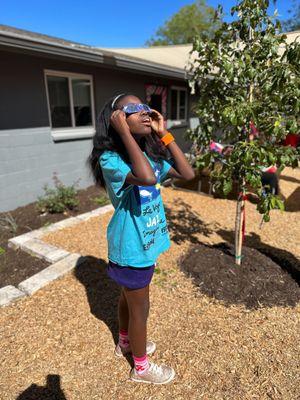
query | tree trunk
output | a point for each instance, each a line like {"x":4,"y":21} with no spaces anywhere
{"x":241,"y":201}
{"x":239,"y":219}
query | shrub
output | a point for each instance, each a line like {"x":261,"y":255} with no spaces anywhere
{"x":101,"y":200}
{"x":58,"y":199}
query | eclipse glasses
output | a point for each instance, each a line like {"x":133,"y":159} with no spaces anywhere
{"x":132,"y":108}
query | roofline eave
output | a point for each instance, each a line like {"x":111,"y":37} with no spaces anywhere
{"x":87,"y":54}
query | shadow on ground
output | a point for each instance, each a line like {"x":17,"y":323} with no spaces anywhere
{"x":184,"y":224}
{"x":286,"y":260}
{"x":51,"y":391}
{"x":102,"y":294}
{"x":289,"y":179}
{"x":292,"y":203}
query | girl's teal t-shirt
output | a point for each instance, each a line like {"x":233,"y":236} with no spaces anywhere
{"x":137,"y":232}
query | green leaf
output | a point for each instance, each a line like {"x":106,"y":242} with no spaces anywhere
{"x":273,"y":202}
{"x":227,"y":187}
{"x":280,"y":204}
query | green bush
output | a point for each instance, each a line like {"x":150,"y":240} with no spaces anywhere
{"x":59,"y":199}
{"x":101,"y":200}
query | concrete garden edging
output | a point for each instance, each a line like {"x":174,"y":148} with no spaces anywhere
{"x":62,"y":260}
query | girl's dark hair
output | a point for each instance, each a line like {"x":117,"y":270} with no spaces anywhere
{"x":106,"y":138}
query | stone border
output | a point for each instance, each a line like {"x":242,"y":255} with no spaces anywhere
{"x":62,"y":261}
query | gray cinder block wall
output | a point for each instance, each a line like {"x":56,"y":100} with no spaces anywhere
{"x":28,"y":159}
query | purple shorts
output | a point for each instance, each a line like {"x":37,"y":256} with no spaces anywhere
{"x":130,"y":277}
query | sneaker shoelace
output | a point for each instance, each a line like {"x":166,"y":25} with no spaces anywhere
{"x":156,"y":369}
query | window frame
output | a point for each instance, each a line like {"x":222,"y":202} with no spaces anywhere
{"x":72,"y":132}
{"x":178,"y":121}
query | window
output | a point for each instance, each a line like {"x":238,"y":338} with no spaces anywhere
{"x":70,"y":102}
{"x":156,"y":98}
{"x":178,"y":104}
{"x":155,"y":102}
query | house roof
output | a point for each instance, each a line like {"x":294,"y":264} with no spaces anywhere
{"x":177,"y":55}
{"x":168,"y":61}
{"x":11,"y":37}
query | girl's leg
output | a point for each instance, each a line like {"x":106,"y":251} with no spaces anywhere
{"x":123,"y":312}
{"x":138,"y":306}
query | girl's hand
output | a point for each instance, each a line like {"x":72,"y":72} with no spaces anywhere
{"x":119,"y":123}
{"x":157,"y":123}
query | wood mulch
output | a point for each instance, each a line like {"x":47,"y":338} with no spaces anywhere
{"x":230,"y":332}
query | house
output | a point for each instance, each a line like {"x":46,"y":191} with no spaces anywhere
{"x":51,"y":91}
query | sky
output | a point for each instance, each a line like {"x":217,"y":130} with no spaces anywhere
{"x":109,"y":23}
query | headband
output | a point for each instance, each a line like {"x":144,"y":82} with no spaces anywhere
{"x":115,"y":99}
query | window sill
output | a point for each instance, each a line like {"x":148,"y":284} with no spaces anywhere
{"x":72,"y":133}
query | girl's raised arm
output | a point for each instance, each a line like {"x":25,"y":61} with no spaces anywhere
{"x":143,"y":174}
{"x":182,"y":169}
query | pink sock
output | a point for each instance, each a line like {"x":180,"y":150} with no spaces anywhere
{"x":123,"y":338}
{"x":141,"y":364}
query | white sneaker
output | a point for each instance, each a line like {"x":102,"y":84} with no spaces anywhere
{"x":156,"y":374}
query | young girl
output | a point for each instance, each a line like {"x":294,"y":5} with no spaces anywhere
{"x":129,"y":159}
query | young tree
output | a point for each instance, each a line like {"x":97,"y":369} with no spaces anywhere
{"x":243,"y":81}
{"x":189,"y":21}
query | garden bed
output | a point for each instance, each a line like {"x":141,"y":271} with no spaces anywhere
{"x":257,"y":282}
{"x":16,"y":265}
